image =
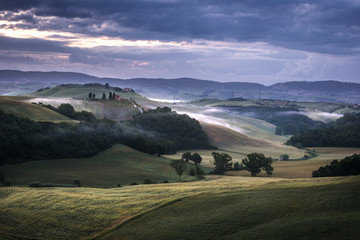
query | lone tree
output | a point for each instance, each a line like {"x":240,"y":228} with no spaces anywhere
{"x":104,"y":96}
{"x":186,"y":156}
{"x":110,"y":95}
{"x":90,"y":95}
{"x":222,"y":162}
{"x":255,"y":162}
{"x":179,"y":166}
{"x":196,"y":158}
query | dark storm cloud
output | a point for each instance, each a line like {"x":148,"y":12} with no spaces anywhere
{"x":37,"y":45}
{"x":330,"y":26}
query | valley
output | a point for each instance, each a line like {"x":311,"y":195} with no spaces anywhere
{"x":124,"y":193}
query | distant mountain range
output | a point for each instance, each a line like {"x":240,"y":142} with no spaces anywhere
{"x":14,"y":82}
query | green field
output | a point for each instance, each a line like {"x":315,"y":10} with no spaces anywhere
{"x":117,"y":165}
{"x":216,"y":208}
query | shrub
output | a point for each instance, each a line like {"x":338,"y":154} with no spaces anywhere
{"x":133,"y":183}
{"x":192,"y":172}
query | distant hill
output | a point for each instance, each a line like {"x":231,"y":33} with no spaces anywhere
{"x":16,"y":106}
{"x":17,"y":82}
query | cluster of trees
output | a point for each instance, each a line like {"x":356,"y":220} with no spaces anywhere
{"x":92,"y":95}
{"x":68,"y":110}
{"x":345,"y":132}
{"x":288,"y":120}
{"x":156,"y":133}
{"x":254,"y":163}
{"x":196,"y":158}
{"x":183,"y":131}
{"x":348,"y":166}
{"x":25,"y":140}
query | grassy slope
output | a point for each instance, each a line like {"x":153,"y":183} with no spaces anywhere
{"x":117,"y":165}
{"x":16,"y":106}
{"x":271,"y":212}
{"x":115,"y":110}
{"x":76,"y":90}
{"x":242,"y":206}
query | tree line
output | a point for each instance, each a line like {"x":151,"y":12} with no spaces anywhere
{"x":345,"y":132}
{"x":348,"y":166}
{"x":23,"y":140}
{"x":254,"y":163}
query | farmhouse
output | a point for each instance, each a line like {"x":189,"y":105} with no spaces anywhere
{"x":128,"y":90}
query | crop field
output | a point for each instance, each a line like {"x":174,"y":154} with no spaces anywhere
{"x":217,"y":207}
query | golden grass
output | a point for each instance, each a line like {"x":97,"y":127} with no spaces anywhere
{"x":73,"y":213}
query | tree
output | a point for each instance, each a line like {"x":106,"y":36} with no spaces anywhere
{"x":238,"y":166}
{"x":90,"y":95}
{"x":104,"y":96}
{"x":186,"y":156}
{"x":255,"y":162}
{"x":268,"y":168}
{"x":179,"y":166}
{"x":284,"y":157}
{"x":93,"y":95}
{"x":106,"y":85}
{"x":196,"y":158}
{"x":110,"y":96}
{"x":66,"y":109}
{"x":222,"y":162}
{"x":199,"y":172}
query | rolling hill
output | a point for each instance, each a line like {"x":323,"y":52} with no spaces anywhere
{"x":219,"y":208}
{"x":116,"y":165}
{"x":18,"y":107}
{"x":13,"y":81}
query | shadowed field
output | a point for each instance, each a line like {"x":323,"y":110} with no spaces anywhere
{"x":117,"y":165}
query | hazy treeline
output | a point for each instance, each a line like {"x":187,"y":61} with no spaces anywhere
{"x":288,"y":120}
{"x":182,"y":130}
{"x":348,"y":166}
{"x":156,"y":133}
{"x":345,"y":132}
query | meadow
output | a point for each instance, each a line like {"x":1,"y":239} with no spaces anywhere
{"x":219,"y":207}
{"x":117,"y":165}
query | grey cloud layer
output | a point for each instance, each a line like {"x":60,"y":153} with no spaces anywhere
{"x":331,"y":26}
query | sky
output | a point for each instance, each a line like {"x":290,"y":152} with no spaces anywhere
{"x":223,"y":40}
